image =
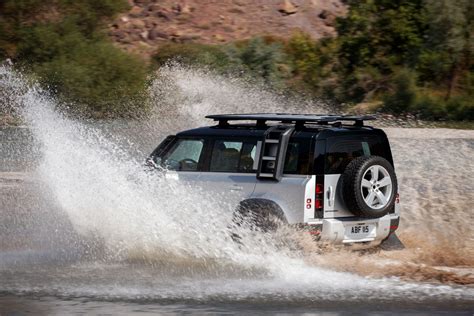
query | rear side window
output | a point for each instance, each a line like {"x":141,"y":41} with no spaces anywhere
{"x":341,"y":152}
{"x":297,"y":157}
{"x":233,"y":156}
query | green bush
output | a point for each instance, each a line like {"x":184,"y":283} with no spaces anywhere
{"x":311,"y":64}
{"x":193,"y":54}
{"x":460,"y":108}
{"x":429,"y":107}
{"x":70,"y":56}
{"x":97,"y":75}
{"x":83,"y":68}
{"x":261,"y":59}
{"x":404,"y":97}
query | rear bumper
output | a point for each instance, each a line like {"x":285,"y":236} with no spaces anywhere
{"x":338,"y":230}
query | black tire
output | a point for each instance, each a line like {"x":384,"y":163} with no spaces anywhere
{"x":352,"y":186}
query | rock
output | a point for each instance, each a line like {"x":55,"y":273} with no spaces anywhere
{"x":189,"y":37}
{"x":155,"y":34}
{"x":328,"y":17}
{"x":163,"y":14}
{"x":144,"y":35}
{"x":135,"y":12}
{"x":138,"y":24}
{"x":120,"y":34}
{"x":182,"y":7}
{"x":124,"y":19}
{"x":154,"y":7}
{"x":149,"y":23}
{"x":287,"y":8}
{"x":176,"y":33}
{"x":141,"y":2}
{"x":219,"y":38}
{"x":324,"y":14}
{"x":135,"y":37}
{"x":126,"y":39}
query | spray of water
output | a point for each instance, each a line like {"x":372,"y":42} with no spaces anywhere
{"x":133,"y":214}
{"x":433,"y":166}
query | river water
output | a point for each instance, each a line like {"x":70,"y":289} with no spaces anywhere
{"x":85,"y":229}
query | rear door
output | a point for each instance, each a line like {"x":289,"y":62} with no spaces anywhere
{"x":290,"y":192}
{"x":340,"y":151}
{"x":230,"y":168}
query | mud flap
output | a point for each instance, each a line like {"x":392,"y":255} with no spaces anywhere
{"x":392,"y":243}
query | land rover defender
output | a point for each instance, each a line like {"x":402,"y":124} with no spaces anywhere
{"x":331,"y":174}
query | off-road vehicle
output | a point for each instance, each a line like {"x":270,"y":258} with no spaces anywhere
{"x":328,"y":173}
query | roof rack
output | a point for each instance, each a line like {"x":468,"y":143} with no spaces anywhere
{"x":297,"y":119}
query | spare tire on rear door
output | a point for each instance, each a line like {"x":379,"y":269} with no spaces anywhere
{"x":369,"y":186}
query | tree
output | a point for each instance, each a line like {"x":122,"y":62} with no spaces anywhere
{"x":61,"y":42}
{"x":449,"y":41}
{"x":381,"y":33}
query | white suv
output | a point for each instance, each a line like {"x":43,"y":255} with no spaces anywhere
{"x":328,"y":173}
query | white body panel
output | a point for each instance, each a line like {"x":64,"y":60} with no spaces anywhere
{"x":234,"y":187}
{"x":334,"y":205}
{"x":308,"y":202}
{"x":288,"y":193}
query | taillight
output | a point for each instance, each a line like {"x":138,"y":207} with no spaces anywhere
{"x":318,"y":204}
{"x":319,"y":188}
{"x":319,"y":196}
{"x":397,"y":198}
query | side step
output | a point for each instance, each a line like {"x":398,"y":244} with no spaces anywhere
{"x":273,"y":153}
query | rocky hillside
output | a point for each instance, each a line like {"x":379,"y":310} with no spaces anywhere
{"x":151,"y":22}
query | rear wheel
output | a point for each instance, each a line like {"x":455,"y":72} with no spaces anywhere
{"x":260,"y":215}
{"x":369,"y":186}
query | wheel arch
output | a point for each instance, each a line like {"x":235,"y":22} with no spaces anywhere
{"x":256,"y":204}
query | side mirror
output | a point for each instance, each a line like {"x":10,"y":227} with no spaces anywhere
{"x":151,"y":163}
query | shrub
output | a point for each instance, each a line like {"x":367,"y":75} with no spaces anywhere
{"x":460,"y":108}
{"x":404,"y":96}
{"x":193,"y":54}
{"x":429,"y":107}
{"x":98,"y":75}
{"x":262,"y":58}
{"x":258,"y":58}
{"x":69,"y":54}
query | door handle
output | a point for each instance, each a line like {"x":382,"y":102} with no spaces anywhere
{"x":329,"y":195}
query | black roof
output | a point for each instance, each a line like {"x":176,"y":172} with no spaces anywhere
{"x":328,"y":124}
{"x":259,"y":131}
{"x":261,"y":118}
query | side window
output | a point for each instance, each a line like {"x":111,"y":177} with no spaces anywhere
{"x":297,"y":157}
{"x":163,"y":145}
{"x":184,"y":155}
{"x":233,"y":156}
{"x":342,"y":151}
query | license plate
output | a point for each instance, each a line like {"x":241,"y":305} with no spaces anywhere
{"x":363,"y":231}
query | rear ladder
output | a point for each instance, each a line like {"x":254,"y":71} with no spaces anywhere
{"x":273,"y":152}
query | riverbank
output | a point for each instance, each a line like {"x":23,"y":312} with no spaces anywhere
{"x":393,"y":121}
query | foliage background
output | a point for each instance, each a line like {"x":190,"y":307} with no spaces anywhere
{"x":400,"y":57}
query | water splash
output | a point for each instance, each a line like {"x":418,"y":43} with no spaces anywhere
{"x":142,"y":217}
{"x":183,"y":96}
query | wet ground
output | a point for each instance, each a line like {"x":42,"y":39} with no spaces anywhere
{"x":84,"y":229}
{"x":47,"y":267}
